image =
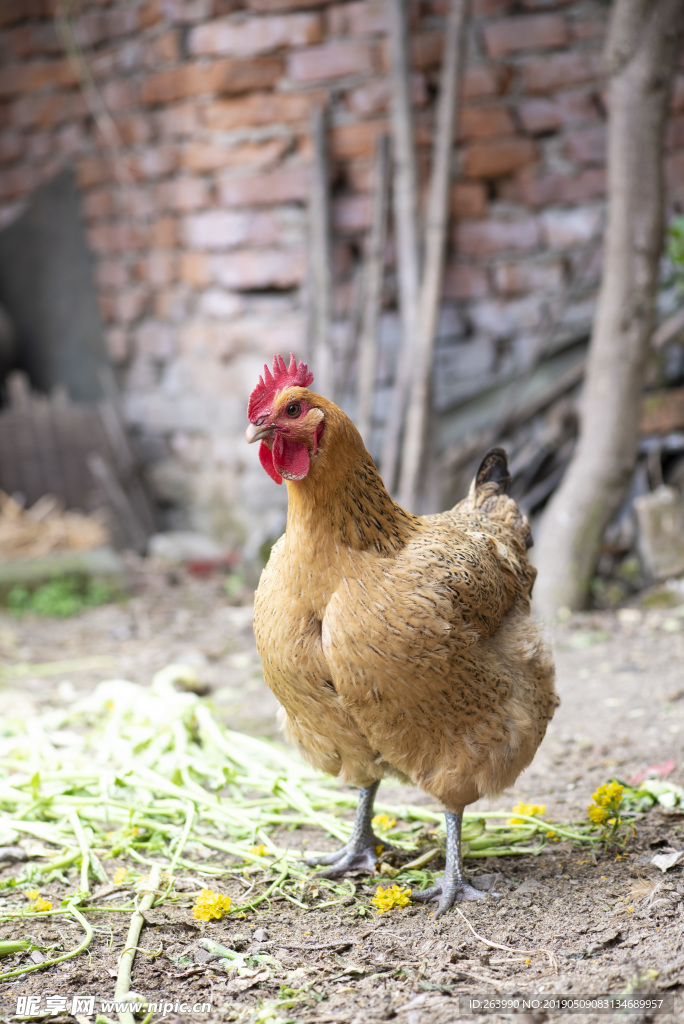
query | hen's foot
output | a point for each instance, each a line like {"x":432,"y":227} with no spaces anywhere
{"x":353,"y":857}
{"x":447,"y":892}
{"x":361,"y":851}
{"x":451,"y":886}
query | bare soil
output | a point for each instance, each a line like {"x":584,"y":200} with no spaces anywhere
{"x":575,"y":925}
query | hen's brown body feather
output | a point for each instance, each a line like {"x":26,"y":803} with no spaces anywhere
{"x":402,"y":645}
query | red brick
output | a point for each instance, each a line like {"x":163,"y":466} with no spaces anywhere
{"x":468,"y":199}
{"x":93,"y":171}
{"x":154,"y":162}
{"x":184,"y":194}
{"x":484,"y":80}
{"x":374,"y":95}
{"x":117,"y":237}
{"x":351,"y":214}
{"x":130,"y":304}
{"x":118,"y":345}
{"x":586,"y":145}
{"x":220,"y":304}
{"x":588,"y":27}
{"x":223,"y":77}
{"x":186,"y":12}
{"x":539,"y":116}
{"x":164,"y":232}
{"x":105,"y":305}
{"x":33,"y":39}
{"x":368,"y":17}
{"x":521,"y":278}
{"x":98,"y":204}
{"x":179,"y":119}
{"x":529,"y":32}
{"x":155,"y":341}
{"x":334,"y":60}
{"x":134,"y":130}
{"x":674,"y":133}
{"x":158,"y":267}
{"x":463,"y":282}
{"x":255,"y":35}
{"x":276,"y":6}
{"x":164,"y":49}
{"x":16,"y":182}
{"x":150,"y":14}
{"x":284,"y":185}
{"x":111,"y":274}
{"x":483,"y":238}
{"x":356,"y":140}
{"x":484,"y":8}
{"x":497,"y":159}
{"x":172,"y":304}
{"x":484,"y":122}
{"x":65,"y":74}
{"x":48,"y":110}
{"x":677,"y":102}
{"x":563,"y":229}
{"x":228,"y":229}
{"x":12,"y":146}
{"x":256,"y":269}
{"x":257,"y":109}
{"x":539,"y":190}
{"x":561,"y":71}
{"x":207,"y":156}
{"x":120,"y":95}
{"x":17,"y":79}
{"x":194,"y":269}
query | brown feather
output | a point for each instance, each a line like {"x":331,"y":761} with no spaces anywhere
{"x":397,"y":644}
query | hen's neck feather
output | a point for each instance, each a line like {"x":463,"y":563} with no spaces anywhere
{"x":343,"y":500}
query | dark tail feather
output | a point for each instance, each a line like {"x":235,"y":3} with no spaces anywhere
{"x":494,"y":469}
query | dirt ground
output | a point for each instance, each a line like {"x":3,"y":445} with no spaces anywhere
{"x":574,"y":926}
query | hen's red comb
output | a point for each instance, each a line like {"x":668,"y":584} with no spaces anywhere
{"x":297,"y":374}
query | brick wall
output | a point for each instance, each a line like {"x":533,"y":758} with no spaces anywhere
{"x":191,"y":144}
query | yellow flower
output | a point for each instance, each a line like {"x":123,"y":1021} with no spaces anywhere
{"x":120,"y":875}
{"x":550,"y":834}
{"x":384,"y":822}
{"x":41,"y":904}
{"x":529,"y":809}
{"x":388,"y":899}
{"x":210,"y":906}
{"x":32,"y":894}
{"x":259,"y":850}
{"x":599,"y":815}
{"x":609,"y":795}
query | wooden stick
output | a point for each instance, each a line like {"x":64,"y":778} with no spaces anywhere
{"x":435,"y":251}
{"x":320,"y":296}
{"x":406,"y":219}
{"x":373,"y":278}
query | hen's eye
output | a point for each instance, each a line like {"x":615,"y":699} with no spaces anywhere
{"x":293,"y":409}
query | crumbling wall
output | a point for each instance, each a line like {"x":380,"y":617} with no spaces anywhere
{"x":188,"y":124}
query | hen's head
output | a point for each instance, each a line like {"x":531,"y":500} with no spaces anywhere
{"x":283,"y":417}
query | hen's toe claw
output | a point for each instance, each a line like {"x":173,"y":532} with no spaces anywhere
{"x":446,"y":893}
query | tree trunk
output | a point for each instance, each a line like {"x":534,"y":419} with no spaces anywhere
{"x":644,"y":43}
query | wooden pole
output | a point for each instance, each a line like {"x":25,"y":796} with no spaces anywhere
{"x":406,"y":218}
{"x":320,"y":296}
{"x":373,"y":278}
{"x":437,"y":220}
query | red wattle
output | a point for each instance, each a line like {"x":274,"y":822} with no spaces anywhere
{"x":290,"y":458}
{"x":266,"y":460}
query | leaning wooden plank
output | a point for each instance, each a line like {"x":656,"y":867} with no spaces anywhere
{"x":373,"y":278}
{"x":320,"y":254}
{"x":406,"y":229}
{"x":437,"y":219}
{"x":134,"y":531}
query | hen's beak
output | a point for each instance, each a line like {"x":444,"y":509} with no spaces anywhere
{"x":257,"y":432}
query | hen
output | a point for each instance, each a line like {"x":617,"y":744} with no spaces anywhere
{"x":397,"y":645}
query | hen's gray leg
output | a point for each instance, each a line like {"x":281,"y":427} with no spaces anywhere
{"x":451,"y":886}
{"x":359,"y":853}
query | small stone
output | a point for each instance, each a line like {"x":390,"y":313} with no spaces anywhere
{"x":260,"y":935}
